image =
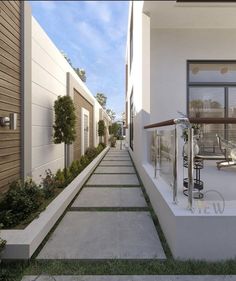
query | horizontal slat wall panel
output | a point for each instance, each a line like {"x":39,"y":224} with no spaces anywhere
{"x":4,"y":184}
{"x":10,"y":64}
{"x":4,"y":69}
{"x":8,"y":166}
{"x":6,"y":10}
{"x":9,"y":93}
{"x":9,"y":49}
{"x":9,"y":100}
{"x":12,"y":10}
{"x":10,"y":87}
{"x":9,"y":143}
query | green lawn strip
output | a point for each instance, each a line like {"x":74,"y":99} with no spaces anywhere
{"x":15,"y":271}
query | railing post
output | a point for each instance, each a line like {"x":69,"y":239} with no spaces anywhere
{"x":175,"y":166}
{"x":190,"y":167}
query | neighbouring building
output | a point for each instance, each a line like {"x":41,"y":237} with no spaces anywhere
{"x":33,"y":73}
{"x":181,"y":61}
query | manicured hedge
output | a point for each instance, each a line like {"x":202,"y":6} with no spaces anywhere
{"x":25,"y":199}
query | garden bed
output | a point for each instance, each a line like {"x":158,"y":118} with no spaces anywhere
{"x":22,"y":243}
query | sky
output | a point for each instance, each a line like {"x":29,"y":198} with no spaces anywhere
{"x":93,"y":35}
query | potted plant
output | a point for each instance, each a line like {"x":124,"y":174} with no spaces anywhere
{"x":196,"y":136}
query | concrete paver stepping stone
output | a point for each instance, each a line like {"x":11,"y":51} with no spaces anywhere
{"x":117,"y":158}
{"x":115,"y":170}
{"x":104,"y":235}
{"x":110,"y":197}
{"x":116,"y":163}
{"x":134,"y":278}
{"x":113,"y":179}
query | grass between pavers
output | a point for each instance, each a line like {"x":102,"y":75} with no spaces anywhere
{"x":108,"y":209}
{"x":14,"y":271}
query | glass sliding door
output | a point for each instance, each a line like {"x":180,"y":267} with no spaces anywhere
{"x":232,"y":113}
{"x":212,"y":94}
{"x":208,"y":102}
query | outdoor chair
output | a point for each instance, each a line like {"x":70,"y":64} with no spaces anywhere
{"x":228,"y":148}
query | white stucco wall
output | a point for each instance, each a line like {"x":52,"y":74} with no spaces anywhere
{"x":170,"y":50}
{"x":139,"y":80}
{"x":49,"y":80}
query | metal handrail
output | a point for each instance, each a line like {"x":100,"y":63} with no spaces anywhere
{"x":188,"y":123}
{"x":170,"y":122}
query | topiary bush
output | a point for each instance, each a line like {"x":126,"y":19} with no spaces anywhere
{"x":65,"y":119}
{"x":101,"y":128}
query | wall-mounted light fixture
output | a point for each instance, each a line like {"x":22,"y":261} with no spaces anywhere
{"x":10,"y":121}
{"x":195,"y":70}
{"x":224,"y":70}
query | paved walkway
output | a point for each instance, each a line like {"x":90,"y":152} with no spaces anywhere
{"x":109,"y":219}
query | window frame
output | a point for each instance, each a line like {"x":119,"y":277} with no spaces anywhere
{"x":224,"y":85}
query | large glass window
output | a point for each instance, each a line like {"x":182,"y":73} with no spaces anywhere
{"x":212,"y":94}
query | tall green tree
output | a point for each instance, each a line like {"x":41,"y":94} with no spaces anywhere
{"x":111,"y":114}
{"x":102,"y":99}
{"x":81,"y":73}
{"x":65,"y":119}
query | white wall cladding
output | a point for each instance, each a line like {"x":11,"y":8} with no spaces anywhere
{"x":170,"y":50}
{"x":49,"y":80}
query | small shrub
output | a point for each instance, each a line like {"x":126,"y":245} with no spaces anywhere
{"x":60,"y":179}
{"x":49,"y":184}
{"x":84,"y":161}
{"x":91,"y":153}
{"x":113,"y":141}
{"x":68,"y":176}
{"x":75,"y":168}
{"x":102,"y":144}
{"x":99,"y":148}
{"x":20,"y":201}
{"x":2,"y":244}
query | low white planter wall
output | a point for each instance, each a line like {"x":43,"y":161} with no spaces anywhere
{"x":21,"y":244}
{"x":194,"y":236}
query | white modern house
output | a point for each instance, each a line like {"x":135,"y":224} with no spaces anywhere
{"x":181,"y":63}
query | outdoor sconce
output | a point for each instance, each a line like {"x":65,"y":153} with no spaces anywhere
{"x":10,"y":121}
